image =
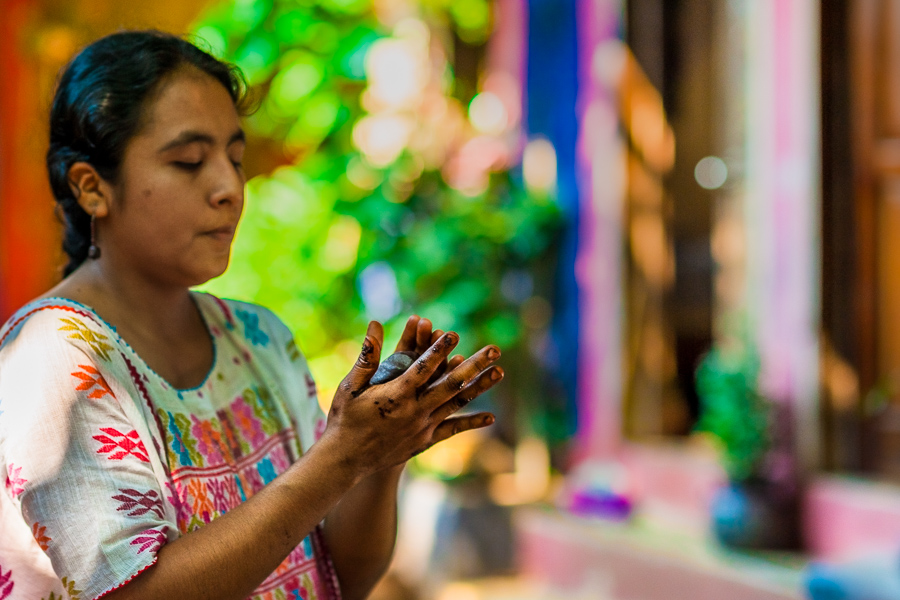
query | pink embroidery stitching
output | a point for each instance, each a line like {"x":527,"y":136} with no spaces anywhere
{"x":128,"y":445}
{"x":14,"y":483}
{"x":6,"y":584}
{"x":150,"y":539}
{"x":219,"y":490}
{"x":178,"y":499}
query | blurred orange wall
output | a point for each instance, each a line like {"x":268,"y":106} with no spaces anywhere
{"x":38,"y":37}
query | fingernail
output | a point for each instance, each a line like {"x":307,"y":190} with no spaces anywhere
{"x":452,"y":337}
{"x":496,"y":375}
{"x":493,"y":353}
{"x":489,"y":420}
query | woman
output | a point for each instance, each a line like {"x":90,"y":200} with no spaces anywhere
{"x":162,"y":443}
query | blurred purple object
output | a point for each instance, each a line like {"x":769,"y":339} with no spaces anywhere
{"x":600,"y":503}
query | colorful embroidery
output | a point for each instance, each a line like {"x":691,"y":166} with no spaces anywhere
{"x":254,"y":481}
{"x":218,"y":446}
{"x":39,"y":533}
{"x":6,"y":583}
{"x":82,"y":332}
{"x":137,"y":504}
{"x":15,"y":484}
{"x":247,"y":421}
{"x":261,"y":401}
{"x":130,"y":444}
{"x":202,"y":505}
{"x":221,"y":496}
{"x":181,"y":442}
{"x":293,"y":352}
{"x":91,"y":378}
{"x":69,"y":586}
{"x":252,"y":332}
{"x":209,"y":441}
{"x":178,"y":498}
{"x":310,"y":386}
{"x":237,"y":446}
{"x":266,"y":470}
{"x":150,"y":539}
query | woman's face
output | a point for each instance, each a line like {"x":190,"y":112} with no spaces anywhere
{"x":180,"y":189}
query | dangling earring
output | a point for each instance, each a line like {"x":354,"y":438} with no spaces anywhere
{"x":94,"y":249}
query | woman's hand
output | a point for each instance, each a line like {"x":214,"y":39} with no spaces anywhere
{"x":379,"y":426}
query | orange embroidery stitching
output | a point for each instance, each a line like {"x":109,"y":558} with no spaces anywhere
{"x":90,"y":379}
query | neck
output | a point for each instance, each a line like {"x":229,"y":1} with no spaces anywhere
{"x":126,"y":298}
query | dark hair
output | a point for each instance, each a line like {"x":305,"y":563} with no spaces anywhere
{"x":99,"y":105}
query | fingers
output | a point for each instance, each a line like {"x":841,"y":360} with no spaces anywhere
{"x":424,"y":337}
{"x":447,"y":365}
{"x":455,"y":425}
{"x":407,"y":341}
{"x":442,"y":368}
{"x":482,"y":383}
{"x":457,"y":379}
{"x":417,"y":335}
{"x":367,"y":362}
{"x":420,"y":371}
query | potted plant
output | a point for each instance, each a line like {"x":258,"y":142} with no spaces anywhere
{"x":757,"y":509}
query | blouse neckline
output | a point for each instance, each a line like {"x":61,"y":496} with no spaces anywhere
{"x":203,"y":317}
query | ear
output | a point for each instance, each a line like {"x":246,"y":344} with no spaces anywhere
{"x":91,"y":191}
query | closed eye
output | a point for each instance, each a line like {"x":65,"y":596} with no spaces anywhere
{"x":188,"y":166}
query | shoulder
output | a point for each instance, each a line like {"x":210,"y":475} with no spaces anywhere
{"x":257,"y":324}
{"x":53,"y":352}
{"x":53,"y":325}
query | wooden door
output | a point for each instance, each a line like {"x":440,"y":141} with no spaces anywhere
{"x":861,"y":232}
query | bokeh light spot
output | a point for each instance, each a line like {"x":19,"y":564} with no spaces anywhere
{"x":711,"y":173}
{"x":539,"y":166}
{"x":487,"y":113}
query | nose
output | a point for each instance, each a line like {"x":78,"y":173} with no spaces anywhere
{"x":228,"y":184}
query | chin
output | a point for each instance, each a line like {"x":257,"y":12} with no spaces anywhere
{"x":200,"y":276}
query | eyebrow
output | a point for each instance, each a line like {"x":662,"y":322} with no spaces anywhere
{"x":191,"y":137}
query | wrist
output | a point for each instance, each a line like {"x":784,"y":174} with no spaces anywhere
{"x":332,"y":457}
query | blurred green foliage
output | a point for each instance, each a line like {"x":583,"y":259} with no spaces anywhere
{"x":733,"y":411}
{"x":326,"y":225}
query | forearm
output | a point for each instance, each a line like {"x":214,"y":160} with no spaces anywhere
{"x":361,"y":531}
{"x":232,"y":555}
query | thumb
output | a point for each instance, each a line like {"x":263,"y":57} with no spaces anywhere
{"x":368,"y":360}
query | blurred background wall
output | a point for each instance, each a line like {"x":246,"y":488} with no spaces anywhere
{"x":607,"y":189}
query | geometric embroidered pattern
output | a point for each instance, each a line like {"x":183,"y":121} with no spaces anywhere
{"x":6,"y":583}
{"x":218,"y":445}
{"x":14,"y":483}
{"x":91,"y":378}
{"x":150,"y":539}
{"x":40,"y":535}
{"x":127,"y":444}
{"x":139,"y":504}
{"x":69,"y":586}
{"x":85,"y":334}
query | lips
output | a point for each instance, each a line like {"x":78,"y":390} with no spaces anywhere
{"x":224,"y":233}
